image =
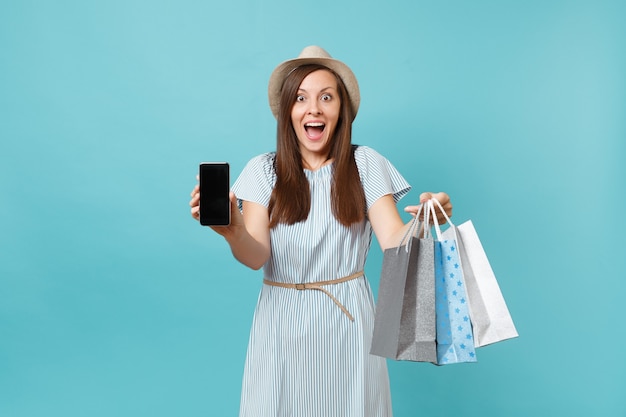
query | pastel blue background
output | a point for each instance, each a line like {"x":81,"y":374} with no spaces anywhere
{"x":114,"y":302}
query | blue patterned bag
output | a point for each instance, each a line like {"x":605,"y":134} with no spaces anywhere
{"x":455,"y":340}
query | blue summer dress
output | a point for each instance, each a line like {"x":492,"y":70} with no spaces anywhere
{"x":305,"y":356}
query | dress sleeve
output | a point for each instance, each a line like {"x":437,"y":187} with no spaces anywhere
{"x":256,"y":181}
{"x":378,"y":176}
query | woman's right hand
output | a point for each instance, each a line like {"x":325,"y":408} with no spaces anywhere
{"x":195,"y":202}
{"x":236,"y":219}
{"x":236,"y":225}
{"x":250,"y":247}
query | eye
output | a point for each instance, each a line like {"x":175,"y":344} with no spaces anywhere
{"x":299,"y":98}
{"x":327,"y":97}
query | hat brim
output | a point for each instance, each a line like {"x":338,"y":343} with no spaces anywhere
{"x":283,"y":70}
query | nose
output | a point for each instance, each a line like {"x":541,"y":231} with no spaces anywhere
{"x":314,"y":107}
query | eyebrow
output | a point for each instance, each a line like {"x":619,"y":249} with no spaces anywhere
{"x":321,"y":91}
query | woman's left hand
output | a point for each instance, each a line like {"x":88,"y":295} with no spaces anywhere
{"x":444,"y":200}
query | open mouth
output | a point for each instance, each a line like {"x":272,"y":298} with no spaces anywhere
{"x":314,"y":129}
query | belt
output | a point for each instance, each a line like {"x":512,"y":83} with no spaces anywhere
{"x":318,"y":286}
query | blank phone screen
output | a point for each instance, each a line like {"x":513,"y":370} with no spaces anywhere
{"x":214,"y":190}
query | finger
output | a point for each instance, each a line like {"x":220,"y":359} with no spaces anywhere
{"x":443,"y":198}
{"x":446,"y":204}
{"x":234,"y":204}
{"x":424,"y":197}
{"x":195,"y":200}
{"x":412,"y":210}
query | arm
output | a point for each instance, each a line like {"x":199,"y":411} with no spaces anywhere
{"x":387,"y":224}
{"x":248,"y":234}
{"x":250,"y":242}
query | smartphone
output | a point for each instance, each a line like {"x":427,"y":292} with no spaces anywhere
{"x":214,"y":194}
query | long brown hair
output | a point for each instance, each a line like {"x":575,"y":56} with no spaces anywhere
{"x":290,"y":201}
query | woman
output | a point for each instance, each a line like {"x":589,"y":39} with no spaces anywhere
{"x":307,"y":213}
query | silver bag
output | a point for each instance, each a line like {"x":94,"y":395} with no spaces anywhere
{"x":405,"y":326}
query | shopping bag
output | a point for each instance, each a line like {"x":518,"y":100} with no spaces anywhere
{"x":455,"y":341}
{"x":404,"y":325}
{"x":490,"y":317}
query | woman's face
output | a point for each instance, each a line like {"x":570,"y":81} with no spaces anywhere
{"x":315,"y":114}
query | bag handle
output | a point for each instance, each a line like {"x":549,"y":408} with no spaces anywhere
{"x":431,"y":209}
{"x":427,"y":211}
{"x":410,"y":231}
{"x":445,"y":215}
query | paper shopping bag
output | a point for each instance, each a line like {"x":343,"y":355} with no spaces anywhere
{"x":490,"y":317}
{"x":404,"y":326}
{"x":417,"y":340}
{"x":455,"y":341}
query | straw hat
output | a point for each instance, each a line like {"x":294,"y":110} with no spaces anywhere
{"x":312,"y":55}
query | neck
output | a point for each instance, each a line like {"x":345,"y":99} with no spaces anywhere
{"x":314,"y":165}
